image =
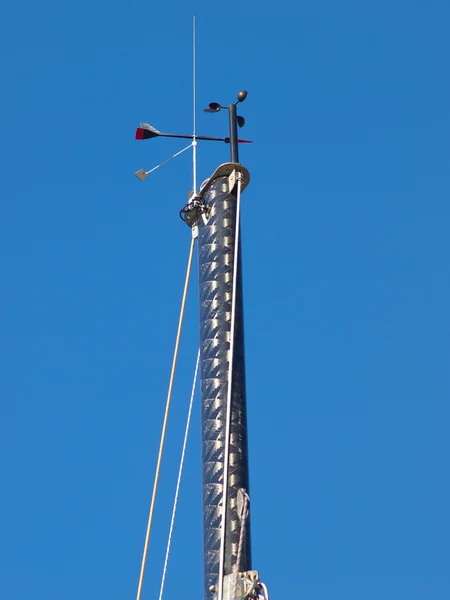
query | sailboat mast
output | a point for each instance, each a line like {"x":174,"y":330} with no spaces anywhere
{"x":226,"y":527}
{"x":213,"y":213}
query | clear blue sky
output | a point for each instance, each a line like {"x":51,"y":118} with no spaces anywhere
{"x":347,"y":292}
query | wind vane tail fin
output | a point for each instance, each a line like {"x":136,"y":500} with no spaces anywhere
{"x":146,"y":132}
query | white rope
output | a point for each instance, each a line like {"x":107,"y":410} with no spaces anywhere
{"x":180,"y":471}
{"x":229,"y":395}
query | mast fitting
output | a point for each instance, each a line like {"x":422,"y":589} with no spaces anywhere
{"x":240,"y":586}
{"x":196,"y":207}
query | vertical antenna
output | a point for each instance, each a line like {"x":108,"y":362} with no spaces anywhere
{"x":194,"y":91}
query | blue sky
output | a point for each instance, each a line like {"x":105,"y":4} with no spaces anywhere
{"x":345,"y":244}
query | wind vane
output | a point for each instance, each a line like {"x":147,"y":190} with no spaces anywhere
{"x":147,"y":132}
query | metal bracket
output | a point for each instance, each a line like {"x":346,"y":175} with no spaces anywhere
{"x":252,"y":579}
{"x":232,"y":180}
{"x":230,"y":170}
{"x":240,"y":501}
{"x":240,"y":586}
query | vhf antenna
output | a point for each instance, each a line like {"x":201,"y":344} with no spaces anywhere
{"x":194,"y":103}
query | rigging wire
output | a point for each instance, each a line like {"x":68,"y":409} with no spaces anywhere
{"x":180,"y":471}
{"x":166,"y":415}
{"x":229,"y":395}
